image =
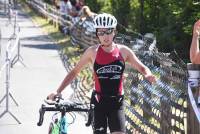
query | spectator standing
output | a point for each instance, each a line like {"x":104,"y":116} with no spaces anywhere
{"x":65,"y":7}
{"x":194,"y":49}
{"x":87,"y":14}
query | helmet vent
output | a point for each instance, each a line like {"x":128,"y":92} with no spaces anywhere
{"x":111,"y":22}
{"x":104,"y":21}
{"x":108,"y":21}
{"x":97,"y":22}
{"x":100,"y":21}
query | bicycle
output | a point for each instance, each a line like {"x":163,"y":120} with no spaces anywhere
{"x":59,"y":126}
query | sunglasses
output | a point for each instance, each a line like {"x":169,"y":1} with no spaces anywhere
{"x":107,"y":32}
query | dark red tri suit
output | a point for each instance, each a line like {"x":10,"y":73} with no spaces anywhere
{"x":108,"y":94}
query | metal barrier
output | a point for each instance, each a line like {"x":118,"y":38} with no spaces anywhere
{"x":13,"y":38}
{"x":194,"y":93}
{"x":6,"y":67}
{"x":52,"y":14}
{"x":16,"y":57}
{"x":10,"y":55}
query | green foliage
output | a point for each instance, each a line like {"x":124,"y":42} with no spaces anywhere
{"x":106,"y":6}
{"x":94,"y":5}
{"x":121,"y":10}
{"x":49,"y":1}
{"x":170,"y":20}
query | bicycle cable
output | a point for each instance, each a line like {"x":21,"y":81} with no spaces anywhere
{"x":73,"y":116}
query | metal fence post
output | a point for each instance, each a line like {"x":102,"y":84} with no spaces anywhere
{"x":17,"y":57}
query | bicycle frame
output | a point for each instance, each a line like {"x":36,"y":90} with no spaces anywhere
{"x":58,"y":125}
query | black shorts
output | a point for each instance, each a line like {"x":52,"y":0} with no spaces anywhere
{"x":109,"y":112}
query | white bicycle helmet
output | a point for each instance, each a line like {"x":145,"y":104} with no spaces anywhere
{"x":105,"y":20}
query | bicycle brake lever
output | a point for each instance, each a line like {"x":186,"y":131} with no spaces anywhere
{"x":90,"y":116}
{"x":41,"y":116}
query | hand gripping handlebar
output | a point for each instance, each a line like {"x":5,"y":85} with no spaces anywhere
{"x":61,"y":107}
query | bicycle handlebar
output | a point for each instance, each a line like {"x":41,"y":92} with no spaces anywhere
{"x":62,"y":107}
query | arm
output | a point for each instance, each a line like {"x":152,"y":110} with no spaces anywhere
{"x":85,"y":59}
{"x":194,"y":49}
{"x":138,"y":65}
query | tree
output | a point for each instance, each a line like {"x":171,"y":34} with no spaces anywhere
{"x":94,"y":5}
{"x":121,"y":10}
